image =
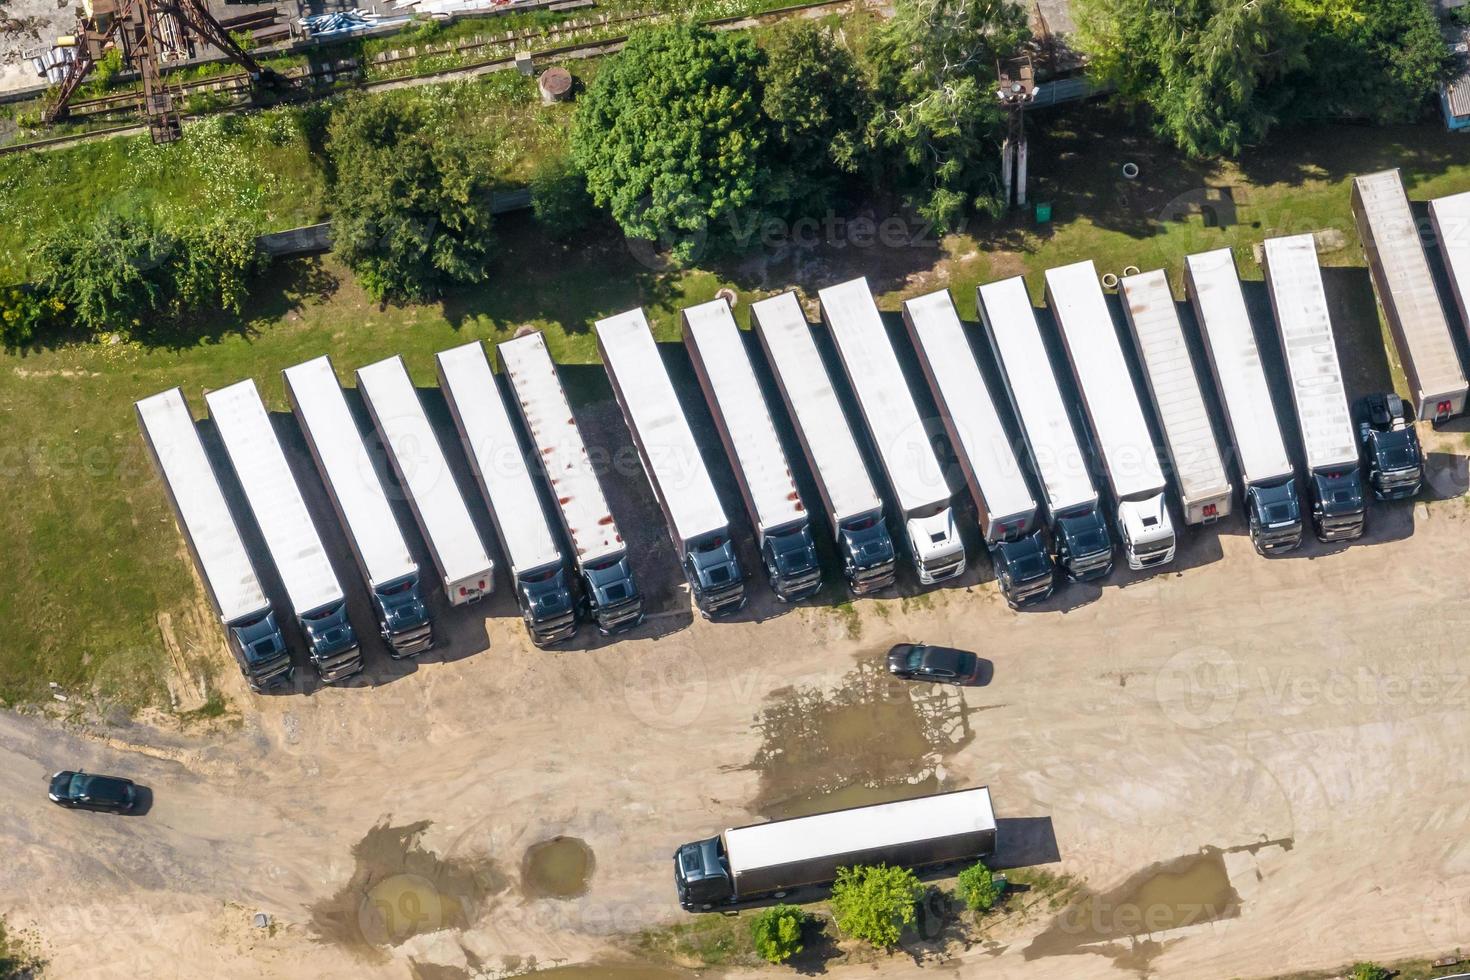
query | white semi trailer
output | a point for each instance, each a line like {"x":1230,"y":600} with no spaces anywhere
{"x":608,"y":586}
{"x":1272,"y":507}
{"x":1084,"y":547}
{"x":900,"y":440}
{"x":1007,"y":510}
{"x":357,"y":495}
{"x":852,"y":505}
{"x":214,"y":540}
{"x":1304,"y":327}
{"x":466,"y":572}
{"x":501,"y":467}
{"x":671,"y":459}
{"x":772,"y":502}
{"x":1199,"y":471}
{"x":290,"y":535}
{"x":1119,"y":430}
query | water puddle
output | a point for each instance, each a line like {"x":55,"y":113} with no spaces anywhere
{"x":557,"y":868}
{"x":872,"y":739}
{"x":399,"y":890}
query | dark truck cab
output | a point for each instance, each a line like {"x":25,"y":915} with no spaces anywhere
{"x":1084,"y":545}
{"x":333,"y":642}
{"x":715,"y":575}
{"x":1390,"y":446}
{"x":790,"y":558}
{"x":613,"y":601}
{"x":261,"y":651}
{"x":1024,"y":569}
{"x":547,"y":605}
{"x":1275,"y":516}
{"x":403,"y":617}
{"x":867,"y":554}
{"x":1339,"y":511}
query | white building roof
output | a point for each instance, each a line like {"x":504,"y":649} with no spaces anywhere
{"x":200,"y":505}
{"x":1305,"y":328}
{"x":275,"y":499}
{"x":746,"y":417}
{"x":497,"y":458}
{"x":328,"y":423}
{"x":1011,"y":323}
{"x":554,"y":432}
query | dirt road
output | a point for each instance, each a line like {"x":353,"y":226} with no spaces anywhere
{"x":1292,"y":730}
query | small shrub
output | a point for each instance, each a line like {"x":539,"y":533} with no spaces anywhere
{"x":777,"y":932}
{"x":25,"y":312}
{"x":978,"y":889}
{"x":874,"y":903}
{"x":1370,"y":971}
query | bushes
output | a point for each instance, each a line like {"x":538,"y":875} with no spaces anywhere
{"x":777,"y":932}
{"x":875,"y":903}
{"x":977,"y":888}
{"x":25,"y":314}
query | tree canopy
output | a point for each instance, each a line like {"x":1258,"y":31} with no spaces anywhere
{"x":874,"y":902}
{"x":776,"y":932}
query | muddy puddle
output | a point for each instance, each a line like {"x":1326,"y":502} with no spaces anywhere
{"x":557,"y":868}
{"x":399,"y":890}
{"x":1121,"y":924}
{"x":871,"y":739}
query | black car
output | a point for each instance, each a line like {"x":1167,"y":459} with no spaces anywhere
{"x":942,"y":665}
{"x":89,"y":791}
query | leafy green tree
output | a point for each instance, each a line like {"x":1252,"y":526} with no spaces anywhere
{"x":211,"y":266}
{"x":978,"y":888}
{"x":671,"y":137}
{"x":411,"y":210}
{"x":874,"y":903}
{"x":1370,"y":971}
{"x":25,"y":313}
{"x":937,"y":126}
{"x":106,"y":271}
{"x":777,"y":932}
{"x":559,"y":198}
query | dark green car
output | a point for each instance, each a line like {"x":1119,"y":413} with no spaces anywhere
{"x":88,"y":791}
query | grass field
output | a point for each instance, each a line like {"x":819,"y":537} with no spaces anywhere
{"x":90,"y":536}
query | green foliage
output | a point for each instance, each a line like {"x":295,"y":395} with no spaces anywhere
{"x":107,"y":271}
{"x":25,"y":312}
{"x":937,"y":126}
{"x":671,"y":137}
{"x":777,"y":932}
{"x":211,"y":267}
{"x":108,"y":67}
{"x":1460,"y":15}
{"x":874,"y":903}
{"x":977,"y":888}
{"x":17,"y":962}
{"x":559,"y":198}
{"x":1370,"y":971}
{"x":411,"y":206}
{"x":815,"y":98}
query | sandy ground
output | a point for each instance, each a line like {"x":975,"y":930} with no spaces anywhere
{"x":26,"y":25}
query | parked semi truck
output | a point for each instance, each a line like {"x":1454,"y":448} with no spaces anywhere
{"x":671,"y":459}
{"x":1008,"y":514}
{"x":466,"y":572}
{"x":772,"y":502}
{"x":1390,"y":445}
{"x":290,"y":535}
{"x":1115,"y":418}
{"x":357,"y":495}
{"x":214,"y":540}
{"x":1304,"y":327}
{"x":538,"y":570}
{"x":1450,"y":217}
{"x":1405,"y":289}
{"x":1194,"y":454}
{"x":1084,"y":547}
{"x":899,"y":438}
{"x":779,"y":857}
{"x":608,"y":587}
{"x":1272,"y":509}
{"x":852,"y":505}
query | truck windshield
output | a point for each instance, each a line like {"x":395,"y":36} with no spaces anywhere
{"x":1398,"y":451}
{"x":1084,"y":534}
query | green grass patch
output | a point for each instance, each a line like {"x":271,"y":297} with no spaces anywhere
{"x":704,"y":940}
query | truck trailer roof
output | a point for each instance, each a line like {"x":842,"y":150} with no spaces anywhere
{"x":200,"y":505}
{"x":964,"y":402}
{"x":1154,"y":321}
{"x":862,"y":828}
{"x":557,"y":439}
{"x":662,"y":431}
{"x":1011,"y":323}
{"x":883,"y":395}
{"x":496,"y":456}
{"x":747,"y":421}
{"x":274,"y":496}
{"x":1451,"y":217}
{"x":1236,"y":362}
{"x":1091,"y":341}
{"x":816,"y":411}
{"x":1305,"y":327}
{"x":423,"y":469}
{"x":355,"y":485}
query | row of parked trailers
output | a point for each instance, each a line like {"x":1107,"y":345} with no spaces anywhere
{"x":1054,"y":497}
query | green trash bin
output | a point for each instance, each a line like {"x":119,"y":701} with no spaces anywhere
{"x":1043,"y":212}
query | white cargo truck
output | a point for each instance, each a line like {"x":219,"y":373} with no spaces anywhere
{"x":672,"y":461}
{"x":362,"y":507}
{"x":1084,"y":547}
{"x":501,"y":468}
{"x":608,"y":586}
{"x":852,"y":505}
{"x":214,"y":540}
{"x":1004,"y":504}
{"x":1304,"y":327}
{"x":1450,"y":217}
{"x":1119,"y":430}
{"x":1272,"y":508}
{"x":900,"y":440}
{"x":1178,"y":401}
{"x":772,"y":502}
{"x":290,"y":535}
{"x":466,"y":572}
